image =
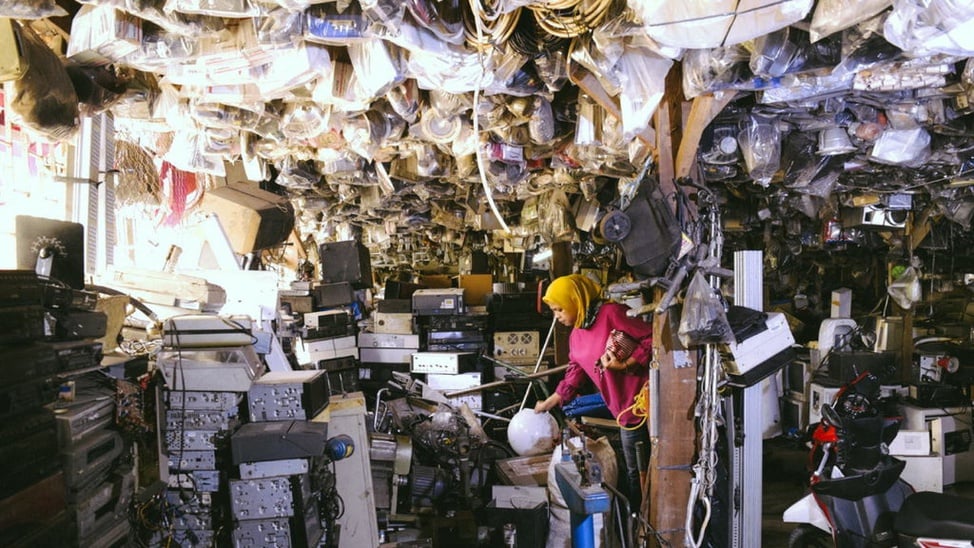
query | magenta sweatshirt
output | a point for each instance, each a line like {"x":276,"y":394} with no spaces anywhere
{"x":587,"y":345}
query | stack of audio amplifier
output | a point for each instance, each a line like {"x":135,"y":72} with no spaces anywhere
{"x":390,"y":344}
{"x":208,"y":363}
{"x":47,"y":338}
{"x":275,"y":501}
{"x":330,"y":335}
{"x":454,"y":340}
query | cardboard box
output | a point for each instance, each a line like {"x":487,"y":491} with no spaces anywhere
{"x":531,"y":470}
{"x":475,"y":287}
{"x":841,"y":303}
{"x":252,"y":218}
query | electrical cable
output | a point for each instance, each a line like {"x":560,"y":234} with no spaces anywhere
{"x":478,"y":151}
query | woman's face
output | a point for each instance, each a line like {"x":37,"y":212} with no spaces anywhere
{"x":562,"y":316}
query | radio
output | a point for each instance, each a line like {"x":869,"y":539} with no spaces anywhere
{"x":89,"y":459}
{"x":203,"y":481}
{"x":272,"y":468}
{"x":432,"y":302}
{"x":221,"y":401}
{"x":451,"y":363}
{"x":516,"y":344}
{"x":263,"y":498}
{"x":388,"y":340}
{"x":192,"y":460}
{"x":288,"y":395}
{"x":262,"y":532}
{"x":192,"y":440}
{"x":201,"y":419}
{"x":77,"y":421}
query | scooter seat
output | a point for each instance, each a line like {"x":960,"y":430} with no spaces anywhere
{"x":928,"y":514}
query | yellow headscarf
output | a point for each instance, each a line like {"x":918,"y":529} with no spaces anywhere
{"x":573,"y":293}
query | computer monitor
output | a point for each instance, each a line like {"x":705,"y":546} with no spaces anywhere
{"x":52,"y":248}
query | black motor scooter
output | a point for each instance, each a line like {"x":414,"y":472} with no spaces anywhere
{"x":857,"y":497}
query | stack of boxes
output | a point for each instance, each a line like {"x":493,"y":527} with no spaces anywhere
{"x":454,"y":341}
{"x":390,"y":345}
{"x":275,"y":501}
{"x":207,"y":372}
{"x":48,"y":335}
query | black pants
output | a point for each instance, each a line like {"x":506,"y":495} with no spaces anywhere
{"x":629,"y":439}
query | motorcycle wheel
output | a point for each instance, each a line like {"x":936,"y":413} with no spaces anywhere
{"x":808,"y":536}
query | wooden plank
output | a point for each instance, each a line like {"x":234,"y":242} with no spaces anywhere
{"x":674,"y":444}
{"x":669,"y":128}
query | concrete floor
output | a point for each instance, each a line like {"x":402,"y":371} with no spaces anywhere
{"x":785,"y":481}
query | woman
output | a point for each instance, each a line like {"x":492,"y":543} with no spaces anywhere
{"x":576,"y":302}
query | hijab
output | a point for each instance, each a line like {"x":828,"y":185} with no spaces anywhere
{"x":575,"y":294}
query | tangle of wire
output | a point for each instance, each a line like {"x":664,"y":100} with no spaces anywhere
{"x":708,"y":410}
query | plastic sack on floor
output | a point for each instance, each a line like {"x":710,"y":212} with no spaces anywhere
{"x":713,"y":23}
{"x":927,"y":27}
{"x":831,"y":16}
{"x":704,"y":319}
{"x":560,"y":530}
{"x":31,"y":9}
{"x":44,"y":98}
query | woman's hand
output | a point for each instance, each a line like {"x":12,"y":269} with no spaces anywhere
{"x":610,"y":362}
{"x":547,"y":403}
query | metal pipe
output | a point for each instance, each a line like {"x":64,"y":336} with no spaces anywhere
{"x":537,"y":364}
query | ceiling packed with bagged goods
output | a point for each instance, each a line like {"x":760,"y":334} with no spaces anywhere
{"x":427,"y":128}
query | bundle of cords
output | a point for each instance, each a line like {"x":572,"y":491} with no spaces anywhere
{"x":638,"y":409}
{"x":571,"y":18}
{"x":495,"y":28}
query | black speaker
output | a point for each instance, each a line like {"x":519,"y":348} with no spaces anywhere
{"x":346,"y":261}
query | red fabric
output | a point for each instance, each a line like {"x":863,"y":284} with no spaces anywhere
{"x":586,"y":346}
{"x":178,"y":185}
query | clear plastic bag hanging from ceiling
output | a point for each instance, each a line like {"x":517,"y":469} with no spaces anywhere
{"x":927,"y":27}
{"x":231,"y":9}
{"x":31,"y":9}
{"x":555,"y":218}
{"x":711,"y":69}
{"x":831,"y":16}
{"x":713,"y":23}
{"x":44,"y":99}
{"x":906,"y":289}
{"x":760,"y":142}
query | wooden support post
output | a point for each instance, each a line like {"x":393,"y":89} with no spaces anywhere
{"x":674,"y":444}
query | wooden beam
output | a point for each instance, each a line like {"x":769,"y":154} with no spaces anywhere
{"x":674,"y":444}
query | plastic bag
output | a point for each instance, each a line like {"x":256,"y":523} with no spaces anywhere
{"x":831,"y":16}
{"x":704,"y":318}
{"x":926,"y":27}
{"x":760,"y":143}
{"x":31,"y":9}
{"x":712,"y":69}
{"x":44,"y":97}
{"x":905,"y":289}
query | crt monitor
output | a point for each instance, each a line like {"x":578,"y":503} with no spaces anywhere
{"x":52,"y":248}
